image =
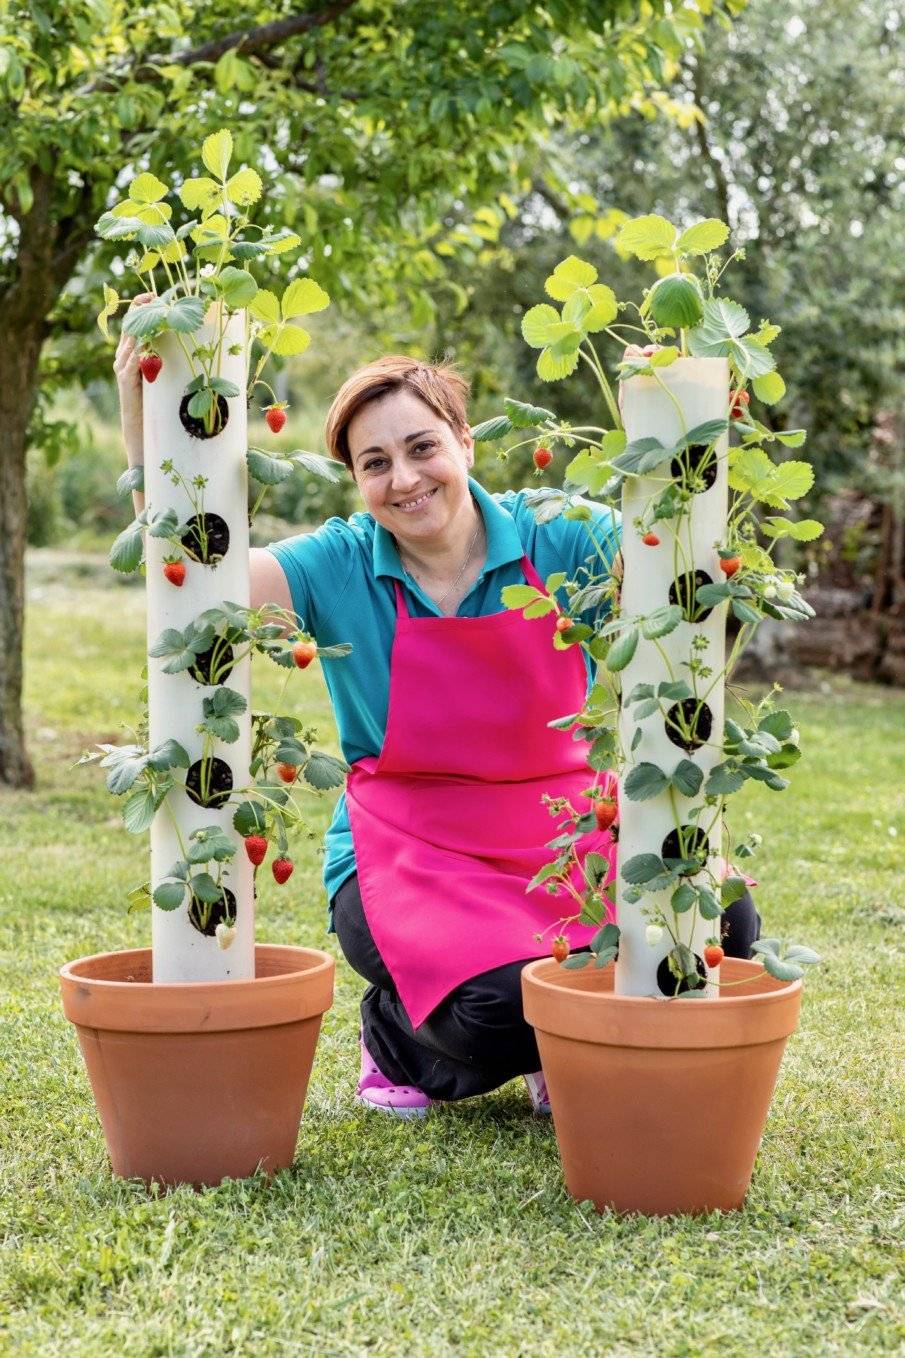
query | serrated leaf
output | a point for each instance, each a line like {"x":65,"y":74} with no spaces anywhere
{"x":644,"y":781}
{"x":576,"y":960}
{"x":661,"y":622}
{"x":622,"y":651}
{"x":237,"y":287}
{"x":791,"y":438}
{"x":687,"y":778}
{"x":802,"y":530}
{"x":267,"y":469}
{"x":524,"y":416}
{"x":540,"y":325}
{"x":244,"y":187}
{"x":497,"y":427}
{"x":676,"y":301}
{"x":132,"y":479}
{"x":518,"y":596}
{"x":723,"y":780}
{"x":169,"y":895}
{"x":286,"y":340}
{"x":553,"y":366}
{"x":127,"y":549}
{"x":604,"y":308}
{"x":204,"y":888}
{"x":769,"y":388}
{"x":250,"y":818}
{"x":139,"y":810}
{"x":647,"y":237}
{"x":683,"y":898}
{"x":324,"y":771}
{"x":195,"y":193}
{"x":217,"y":151}
{"x":703,"y":237}
{"x":643,"y":867}
{"x":169,"y":754}
{"x":569,"y":274}
{"x":302,"y":297}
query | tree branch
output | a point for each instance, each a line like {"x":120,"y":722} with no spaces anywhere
{"x":252,"y":42}
{"x":721,"y":183}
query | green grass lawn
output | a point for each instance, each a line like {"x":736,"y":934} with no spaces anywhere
{"x":454,"y":1236}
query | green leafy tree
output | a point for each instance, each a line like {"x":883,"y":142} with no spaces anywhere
{"x":379,"y":118}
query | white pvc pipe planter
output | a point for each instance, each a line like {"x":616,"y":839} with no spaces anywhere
{"x":181,"y":952}
{"x":701,"y":388}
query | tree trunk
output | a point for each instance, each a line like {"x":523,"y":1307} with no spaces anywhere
{"x":50,"y":243}
{"x":20,"y":350}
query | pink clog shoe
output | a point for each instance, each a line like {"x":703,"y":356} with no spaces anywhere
{"x":376,"y":1090}
{"x":537,"y":1092}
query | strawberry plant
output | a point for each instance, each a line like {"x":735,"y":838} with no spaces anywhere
{"x":695,"y":472}
{"x":216,"y":784}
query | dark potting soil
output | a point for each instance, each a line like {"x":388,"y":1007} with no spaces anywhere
{"x":224,"y":909}
{"x":667,"y":982}
{"x":194,"y":426}
{"x":698,"y":729}
{"x":697,"y":843}
{"x":217,"y":538}
{"x":684,"y":593}
{"x":202,"y":669}
{"x":685,"y":468}
{"x":219,"y":783}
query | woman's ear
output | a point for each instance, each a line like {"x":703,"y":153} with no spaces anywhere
{"x":468,"y":444}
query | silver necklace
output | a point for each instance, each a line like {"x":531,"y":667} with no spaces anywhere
{"x":442,"y":600}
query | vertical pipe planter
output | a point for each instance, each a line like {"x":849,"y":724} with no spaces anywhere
{"x":183,"y":950}
{"x":684,"y":395}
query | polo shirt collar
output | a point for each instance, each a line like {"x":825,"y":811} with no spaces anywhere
{"x":503,"y":542}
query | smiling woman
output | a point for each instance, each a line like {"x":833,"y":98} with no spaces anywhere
{"x":443,"y":710}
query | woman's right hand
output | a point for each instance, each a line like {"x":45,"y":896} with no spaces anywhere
{"x":128,"y":381}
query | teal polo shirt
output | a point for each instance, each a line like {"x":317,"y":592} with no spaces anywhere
{"x":341,"y":582}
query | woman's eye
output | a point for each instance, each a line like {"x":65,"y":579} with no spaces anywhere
{"x":421,"y":447}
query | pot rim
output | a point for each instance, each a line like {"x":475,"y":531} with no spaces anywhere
{"x":570,"y":1008}
{"x":784,"y":989}
{"x":301,"y":991}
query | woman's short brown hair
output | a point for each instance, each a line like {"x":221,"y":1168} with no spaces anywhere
{"x":438,"y":385}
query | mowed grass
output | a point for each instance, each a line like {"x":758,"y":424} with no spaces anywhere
{"x":455,"y":1236}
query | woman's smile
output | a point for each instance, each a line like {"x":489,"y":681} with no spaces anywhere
{"x":413,"y":505}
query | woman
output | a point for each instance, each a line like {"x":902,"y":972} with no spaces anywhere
{"x":443,"y":710}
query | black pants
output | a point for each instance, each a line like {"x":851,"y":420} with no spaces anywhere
{"x":477,"y":1038}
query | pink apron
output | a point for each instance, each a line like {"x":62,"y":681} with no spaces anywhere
{"x":448,"y":824}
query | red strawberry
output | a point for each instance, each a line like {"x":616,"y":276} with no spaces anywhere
{"x":303,"y":652}
{"x":175,"y":572}
{"x":606,"y":811}
{"x":542,"y":458}
{"x":563,"y":624}
{"x":713,"y":954}
{"x":276,"y":417}
{"x":560,"y":948}
{"x":739,"y":402}
{"x":150,"y":365}
{"x":282,"y":869}
{"x":256,"y":848}
{"x":730,"y":564}
{"x":288,"y":772}
{"x":651,"y":540}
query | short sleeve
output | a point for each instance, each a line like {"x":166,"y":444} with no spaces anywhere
{"x":318,"y":567}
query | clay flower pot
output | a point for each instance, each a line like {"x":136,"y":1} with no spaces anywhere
{"x":659,"y":1105}
{"x":197,"y":1082}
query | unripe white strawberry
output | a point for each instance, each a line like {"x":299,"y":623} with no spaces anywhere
{"x":653,"y":933}
{"x":225,"y":933}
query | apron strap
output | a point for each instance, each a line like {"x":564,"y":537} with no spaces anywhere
{"x":401,"y":606}
{"x":532,"y":576}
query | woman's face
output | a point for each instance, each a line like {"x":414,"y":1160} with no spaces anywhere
{"x":411,"y":467}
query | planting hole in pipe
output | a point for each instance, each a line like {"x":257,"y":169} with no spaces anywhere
{"x":217,"y":782}
{"x":696,"y":843}
{"x":207,"y":538}
{"x":206,"y":915}
{"x":194,"y":425}
{"x":220,"y":654}
{"x":683,"y":592}
{"x":686,"y":468}
{"x":689,"y":724}
{"x":671,"y":985}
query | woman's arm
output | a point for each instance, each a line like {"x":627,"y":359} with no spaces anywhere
{"x":268,"y":579}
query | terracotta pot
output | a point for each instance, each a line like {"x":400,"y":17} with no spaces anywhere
{"x":659,"y":1105}
{"x":196,"y":1082}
